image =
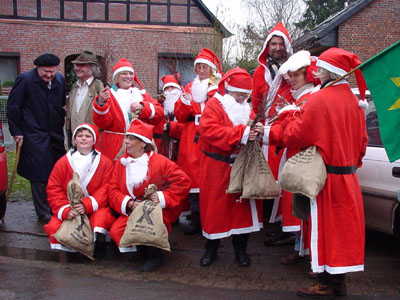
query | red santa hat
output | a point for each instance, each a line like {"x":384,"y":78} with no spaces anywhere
{"x":341,"y":62}
{"x":278,"y":30}
{"x":299,"y":60}
{"x":206,"y":56}
{"x":141,"y":130}
{"x":171,"y":80}
{"x":236,"y":80}
{"x":123,"y":65}
{"x":92,"y":128}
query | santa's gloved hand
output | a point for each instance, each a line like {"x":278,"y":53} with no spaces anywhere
{"x":288,"y":107}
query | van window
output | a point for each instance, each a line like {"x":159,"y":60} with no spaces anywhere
{"x":374,"y":136}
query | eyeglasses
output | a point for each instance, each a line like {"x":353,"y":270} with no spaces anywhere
{"x":241,"y":96}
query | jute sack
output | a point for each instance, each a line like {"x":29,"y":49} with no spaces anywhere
{"x":304,"y":173}
{"x":258,"y":181}
{"x":76,"y":233}
{"x":145,"y":225}
{"x":237,"y":173}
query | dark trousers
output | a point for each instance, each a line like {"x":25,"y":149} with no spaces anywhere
{"x":239,"y":242}
{"x":328,"y":279}
{"x":194,"y":202}
{"x":39,"y":197}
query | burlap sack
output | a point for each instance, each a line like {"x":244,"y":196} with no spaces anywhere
{"x":237,"y":170}
{"x":76,"y":233}
{"x":145,"y":225}
{"x":258,"y":181}
{"x":237,"y":173}
{"x":304,"y":173}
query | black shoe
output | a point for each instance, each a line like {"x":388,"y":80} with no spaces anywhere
{"x":208,"y":258}
{"x":44,"y":219}
{"x":279,"y":239}
{"x":194,"y":226}
{"x":99,"y":250}
{"x":155,"y":259}
{"x":243,"y":259}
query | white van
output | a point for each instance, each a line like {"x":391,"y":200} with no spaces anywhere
{"x":379,"y":180}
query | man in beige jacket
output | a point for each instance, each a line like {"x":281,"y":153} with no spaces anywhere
{"x":80,"y":103}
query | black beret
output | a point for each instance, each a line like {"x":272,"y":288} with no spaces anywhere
{"x":47,"y":60}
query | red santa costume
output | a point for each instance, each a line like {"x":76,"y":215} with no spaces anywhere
{"x":167,"y":133}
{"x":282,"y":208}
{"x":265,"y":80}
{"x":132,"y":175}
{"x":333,"y":121}
{"x":189,"y":113}
{"x":114,"y":115}
{"x":95,"y":172}
{"x":222,"y":131}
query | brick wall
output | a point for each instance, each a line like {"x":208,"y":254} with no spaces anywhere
{"x":371,"y":30}
{"x":141,"y":44}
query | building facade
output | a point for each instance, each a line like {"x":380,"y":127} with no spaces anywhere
{"x":157,"y":36}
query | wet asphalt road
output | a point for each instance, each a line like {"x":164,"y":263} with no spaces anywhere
{"x":30,"y":270}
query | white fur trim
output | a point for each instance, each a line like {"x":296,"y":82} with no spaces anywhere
{"x":61,"y":210}
{"x":295,"y":62}
{"x":95,"y":204}
{"x":194,"y":190}
{"x":363,"y":103}
{"x":99,"y":112}
{"x":127,"y":249}
{"x":291,"y":228}
{"x":142,"y":137}
{"x":161,"y":197}
{"x":171,"y":84}
{"x":211,"y":88}
{"x":330,"y":68}
{"x":122,"y":69}
{"x":236,"y":89}
{"x":153,"y":111}
{"x":267,"y":130}
{"x":218,"y":75}
{"x":255,"y":227}
{"x":85,"y":127}
{"x":184,"y":101}
{"x":205,"y":61}
{"x":61,"y":247}
{"x":245,"y":136}
{"x":142,"y":92}
{"x":124,"y":203}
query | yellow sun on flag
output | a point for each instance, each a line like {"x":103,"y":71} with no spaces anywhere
{"x":396,"y":105}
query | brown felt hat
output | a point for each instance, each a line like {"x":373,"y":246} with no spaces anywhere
{"x":86,"y":57}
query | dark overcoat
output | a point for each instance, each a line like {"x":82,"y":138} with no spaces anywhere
{"x":37,"y":113}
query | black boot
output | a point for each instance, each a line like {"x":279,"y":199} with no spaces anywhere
{"x":211,"y":253}
{"x":155,"y":259}
{"x":194,"y":226}
{"x":100,"y":246}
{"x":239,"y":243}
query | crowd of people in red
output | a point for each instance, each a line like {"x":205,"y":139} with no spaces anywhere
{"x":185,"y":141}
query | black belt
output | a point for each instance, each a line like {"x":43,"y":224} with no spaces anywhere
{"x":196,"y":138}
{"x":191,"y":119}
{"x":158,"y":136}
{"x":216,"y":156}
{"x":341,"y":170}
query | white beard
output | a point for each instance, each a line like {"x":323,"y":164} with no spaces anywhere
{"x":199,"y":90}
{"x":170,"y":98}
{"x":137,"y":169}
{"x":82,"y":164}
{"x":238,"y":113}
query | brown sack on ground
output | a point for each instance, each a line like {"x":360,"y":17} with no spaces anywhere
{"x":258,"y":181}
{"x":145,"y":225}
{"x":304,"y":173}
{"x":76,"y":233}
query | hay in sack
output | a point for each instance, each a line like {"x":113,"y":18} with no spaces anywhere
{"x":304,"y":173}
{"x":76,"y":233}
{"x":251,"y":175}
{"x":145,"y":225}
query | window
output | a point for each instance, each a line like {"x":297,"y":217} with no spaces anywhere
{"x":170,"y":63}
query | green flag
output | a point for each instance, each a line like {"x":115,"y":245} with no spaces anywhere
{"x":382,"y":74}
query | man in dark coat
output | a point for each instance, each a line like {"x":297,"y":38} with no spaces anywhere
{"x":35,"y":112}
